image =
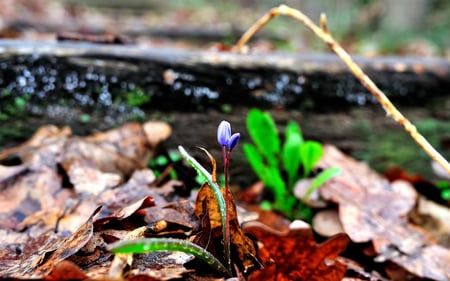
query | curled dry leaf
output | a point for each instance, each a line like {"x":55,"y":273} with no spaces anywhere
{"x":124,"y":213}
{"x":206,"y":207}
{"x":174,"y":218}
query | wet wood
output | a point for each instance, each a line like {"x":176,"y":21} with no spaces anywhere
{"x":271,"y":79}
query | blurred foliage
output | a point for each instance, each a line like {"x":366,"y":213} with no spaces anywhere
{"x":356,"y":23}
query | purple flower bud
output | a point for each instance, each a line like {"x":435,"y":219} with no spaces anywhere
{"x":234,"y":139}
{"x":224,"y":133}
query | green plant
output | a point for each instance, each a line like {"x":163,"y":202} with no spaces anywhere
{"x":160,"y":162}
{"x":444,"y":186}
{"x":279,"y":166}
{"x":228,"y":142}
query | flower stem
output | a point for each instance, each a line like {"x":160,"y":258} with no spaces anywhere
{"x":227,"y":242}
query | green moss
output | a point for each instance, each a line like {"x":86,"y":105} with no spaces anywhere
{"x":137,"y":97}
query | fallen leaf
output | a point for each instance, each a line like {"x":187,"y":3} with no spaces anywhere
{"x":174,"y":218}
{"x":68,"y":247}
{"x":206,"y":205}
{"x":66,"y":270}
{"x":296,"y":256}
{"x":372,"y":209}
{"x":327,"y":223}
{"x":120,"y":215}
{"x":156,"y":132}
{"x":6,"y":172}
{"x":48,"y":138}
{"x":87,"y":178}
{"x":34,"y":257}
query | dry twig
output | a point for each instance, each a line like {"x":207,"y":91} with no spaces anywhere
{"x":323,"y":33}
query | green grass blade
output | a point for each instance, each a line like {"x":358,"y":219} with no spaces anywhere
{"x":140,"y":246}
{"x":215,"y":189}
{"x":320,"y":179}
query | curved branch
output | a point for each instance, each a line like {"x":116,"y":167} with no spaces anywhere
{"x":323,"y":33}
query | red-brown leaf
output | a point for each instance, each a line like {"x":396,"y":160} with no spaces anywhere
{"x":297,"y":257}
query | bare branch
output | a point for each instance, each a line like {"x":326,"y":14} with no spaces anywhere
{"x":323,"y":33}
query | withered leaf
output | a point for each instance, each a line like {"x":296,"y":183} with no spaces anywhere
{"x":131,"y":191}
{"x":125,"y":212}
{"x":7,"y":172}
{"x":26,"y":195}
{"x":66,"y":270}
{"x":296,"y":256}
{"x":69,"y":246}
{"x":372,"y":209}
{"x":87,"y":178}
{"x":33,"y":257}
{"x":42,"y":148}
{"x":207,"y":204}
{"x":22,"y":252}
{"x":177,"y":217}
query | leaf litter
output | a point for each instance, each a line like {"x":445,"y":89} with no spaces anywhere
{"x":64,"y":198}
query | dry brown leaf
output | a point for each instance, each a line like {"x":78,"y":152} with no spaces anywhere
{"x":58,"y":179}
{"x":87,"y":178}
{"x":156,"y":132}
{"x":206,"y":206}
{"x":37,"y":255}
{"x":372,"y":209}
{"x":26,"y":195}
{"x":120,"y":215}
{"x":7,"y":172}
{"x":68,"y":247}
{"x":327,"y":223}
{"x":66,"y":270}
{"x":45,"y":137}
{"x":174,"y":217}
{"x":129,"y":141}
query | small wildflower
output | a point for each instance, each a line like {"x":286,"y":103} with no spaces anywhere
{"x":224,"y":133}
{"x":234,"y":139}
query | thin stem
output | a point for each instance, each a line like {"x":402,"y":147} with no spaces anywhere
{"x":323,"y":33}
{"x":227,"y":157}
{"x":225,"y":164}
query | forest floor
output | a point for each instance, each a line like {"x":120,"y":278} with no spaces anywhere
{"x":65,"y":198}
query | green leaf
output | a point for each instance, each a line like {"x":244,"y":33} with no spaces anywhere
{"x":443,"y":185}
{"x":445,"y":194}
{"x":265,"y":205}
{"x":140,"y":246}
{"x":277,"y":185}
{"x":263,"y":132}
{"x":255,"y":159}
{"x":310,"y":153}
{"x":290,"y":152}
{"x":320,"y":179}
{"x":293,"y":131}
